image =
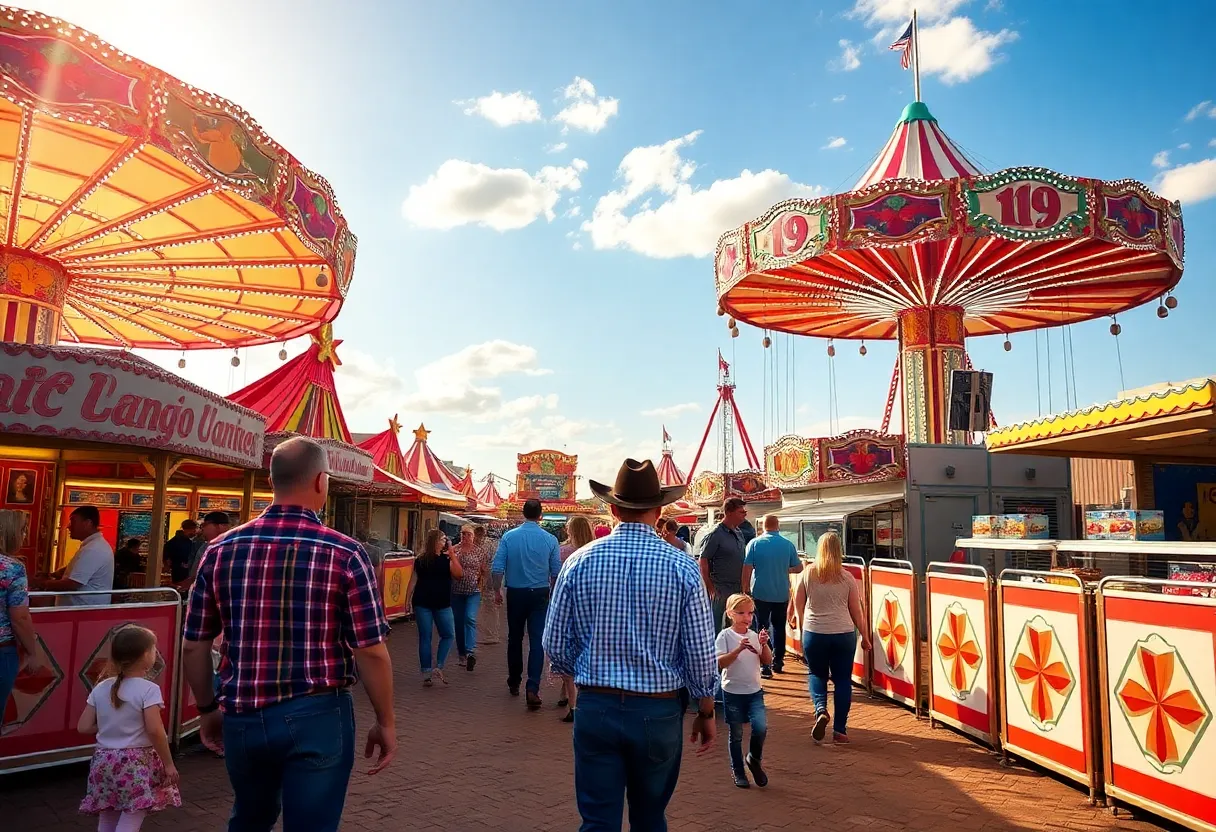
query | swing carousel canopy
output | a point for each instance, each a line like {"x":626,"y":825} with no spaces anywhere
{"x":139,"y":211}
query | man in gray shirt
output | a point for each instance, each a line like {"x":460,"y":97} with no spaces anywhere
{"x":721,"y":556}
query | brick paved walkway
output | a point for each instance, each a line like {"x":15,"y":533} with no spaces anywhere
{"x":471,"y":758}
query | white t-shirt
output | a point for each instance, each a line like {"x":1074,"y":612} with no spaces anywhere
{"x":93,"y":569}
{"x":743,"y":674}
{"x":124,"y":727}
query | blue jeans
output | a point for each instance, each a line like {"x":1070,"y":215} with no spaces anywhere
{"x":8,"y":673}
{"x":295,"y":756}
{"x":626,"y":747}
{"x":831,"y":654}
{"x":464,"y":611}
{"x":741,"y":708}
{"x":442,"y":621}
{"x":526,"y":608}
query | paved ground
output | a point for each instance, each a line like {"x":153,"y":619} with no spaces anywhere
{"x":473,"y":759}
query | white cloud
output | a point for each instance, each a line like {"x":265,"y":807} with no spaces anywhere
{"x":585,"y":110}
{"x":466,"y":193}
{"x":689,"y":220}
{"x":1188,"y":183}
{"x":1211,"y":142}
{"x":455,"y":383}
{"x":555,"y":148}
{"x":672,"y":411}
{"x":957,"y":51}
{"x":839,"y":98}
{"x":849,"y":58}
{"x":504,"y":109}
{"x":1161,"y":159}
{"x":1184,"y":146}
{"x":1203,"y":107}
{"x":834,"y":142}
{"x":575,"y":211}
{"x":949,"y":47}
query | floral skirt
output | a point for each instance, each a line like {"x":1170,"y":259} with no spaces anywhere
{"x":128,"y":780}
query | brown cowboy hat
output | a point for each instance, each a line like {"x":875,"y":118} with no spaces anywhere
{"x":637,"y":487}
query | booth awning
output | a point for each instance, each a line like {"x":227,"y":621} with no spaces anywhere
{"x":1174,"y":422}
{"x":838,"y":507}
{"x":427,"y":493}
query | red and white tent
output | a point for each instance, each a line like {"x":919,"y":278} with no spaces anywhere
{"x":669,"y":472}
{"x":918,"y":149}
{"x":421,"y":464}
{"x":488,"y":495}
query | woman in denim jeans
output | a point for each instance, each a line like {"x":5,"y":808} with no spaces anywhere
{"x":829,"y":603}
{"x":16,"y":625}
{"x":466,"y":593}
{"x":430,"y":594}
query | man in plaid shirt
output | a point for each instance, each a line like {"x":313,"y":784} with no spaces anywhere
{"x":300,"y":612}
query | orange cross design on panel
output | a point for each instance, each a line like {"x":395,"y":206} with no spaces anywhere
{"x":1161,"y":703}
{"x":893,"y":631}
{"x":959,"y":649}
{"x":1044,"y":679}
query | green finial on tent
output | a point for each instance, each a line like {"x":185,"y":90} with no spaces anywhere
{"x":916,"y":111}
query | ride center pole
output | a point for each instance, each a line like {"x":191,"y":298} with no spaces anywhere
{"x":915,"y":57}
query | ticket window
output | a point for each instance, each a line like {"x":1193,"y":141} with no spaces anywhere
{"x":109,"y":531}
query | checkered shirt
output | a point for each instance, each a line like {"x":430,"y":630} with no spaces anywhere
{"x":292,"y":599}
{"x":630,"y":612}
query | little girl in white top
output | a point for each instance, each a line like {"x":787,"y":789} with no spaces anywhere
{"x":741,"y":651}
{"x":132,"y":772}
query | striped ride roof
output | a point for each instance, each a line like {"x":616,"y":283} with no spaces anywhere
{"x":488,"y":495}
{"x":918,"y":149}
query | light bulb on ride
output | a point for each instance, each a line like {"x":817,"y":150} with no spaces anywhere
{"x":283,"y":355}
{"x":730,"y":323}
{"x":831,"y":351}
{"x":235,"y":361}
{"x":322,"y":280}
{"x":734,"y":332}
{"x":862,"y":349}
{"x":181,"y":363}
{"x":768,"y":342}
{"x":1115,"y":329}
{"x":1162,"y":312}
{"x":1008,"y":345}
{"x":1171,"y":302}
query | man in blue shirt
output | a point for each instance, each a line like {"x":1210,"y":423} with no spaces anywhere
{"x":767,"y":566}
{"x":526,"y":562}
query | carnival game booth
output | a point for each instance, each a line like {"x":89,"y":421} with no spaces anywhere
{"x":105,"y":428}
{"x":551,"y":477}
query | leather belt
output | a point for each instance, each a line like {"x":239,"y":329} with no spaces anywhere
{"x":667,"y":694}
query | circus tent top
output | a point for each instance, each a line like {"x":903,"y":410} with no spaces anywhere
{"x":391,"y":467}
{"x":488,"y":496}
{"x":300,"y":395}
{"x":141,"y":211}
{"x":421,"y":464}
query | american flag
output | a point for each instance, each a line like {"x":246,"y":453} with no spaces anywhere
{"x":903,"y":44}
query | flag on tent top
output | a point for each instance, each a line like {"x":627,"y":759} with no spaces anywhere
{"x":903,"y":44}
{"x":666,"y":435}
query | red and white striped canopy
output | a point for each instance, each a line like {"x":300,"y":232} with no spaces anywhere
{"x":423,"y":466}
{"x":669,"y":473}
{"x":918,"y":149}
{"x":488,"y":495}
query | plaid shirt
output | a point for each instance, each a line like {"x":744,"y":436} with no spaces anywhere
{"x":630,"y":612}
{"x":292,"y":599}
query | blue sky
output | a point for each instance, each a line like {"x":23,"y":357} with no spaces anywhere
{"x":530,"y":269}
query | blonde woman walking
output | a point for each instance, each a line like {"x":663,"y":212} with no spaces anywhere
{"x":827,"y":606}
{"x":578,"y":535}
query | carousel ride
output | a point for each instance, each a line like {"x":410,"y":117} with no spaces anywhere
{"x":140,"y":211}
{"x":927,"y":250}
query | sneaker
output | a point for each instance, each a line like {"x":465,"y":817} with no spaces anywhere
{"x":821,"y":726}
{"x":753,"y":765}
{"x":462,"y":660}
{"x":569,"y":717}
{"x":534,"y":702}
{"x":839,"y":738}
{"x":471,"y":663}
{"x":426,"y":680}
{"x":741,"y":780}
{"x":766,"y":673}
{"x":514,"y":689}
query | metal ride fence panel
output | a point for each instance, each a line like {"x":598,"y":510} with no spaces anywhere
{"x":856,"y":567}
{"x":39,"y":722}
{"x":962,"y":673}
{"x":896,"y":659}
{"x":397,"y":573}
{"x":1048,"y":666}
{"x":1157,"y":660}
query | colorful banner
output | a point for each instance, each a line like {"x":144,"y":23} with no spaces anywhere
{"x":397,"y":573}
{"x":39,"y":723}
{"x":546,"y":475}
{"x":895,"y":669}
{"x":962,"y":694}
{"x":110,"y":396}
{"x":1045,"y":656}
{"x":1159,"y":692}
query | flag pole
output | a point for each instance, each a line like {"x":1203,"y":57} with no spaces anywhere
{"x":915,"y":58}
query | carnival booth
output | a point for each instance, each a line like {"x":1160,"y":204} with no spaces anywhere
{"x":551,"y":477}
{"x":106,"y":428}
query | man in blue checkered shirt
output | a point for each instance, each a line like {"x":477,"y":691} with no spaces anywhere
{"x":630,"y":623}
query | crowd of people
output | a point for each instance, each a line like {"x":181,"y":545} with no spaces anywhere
{"x":638,"y":626}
